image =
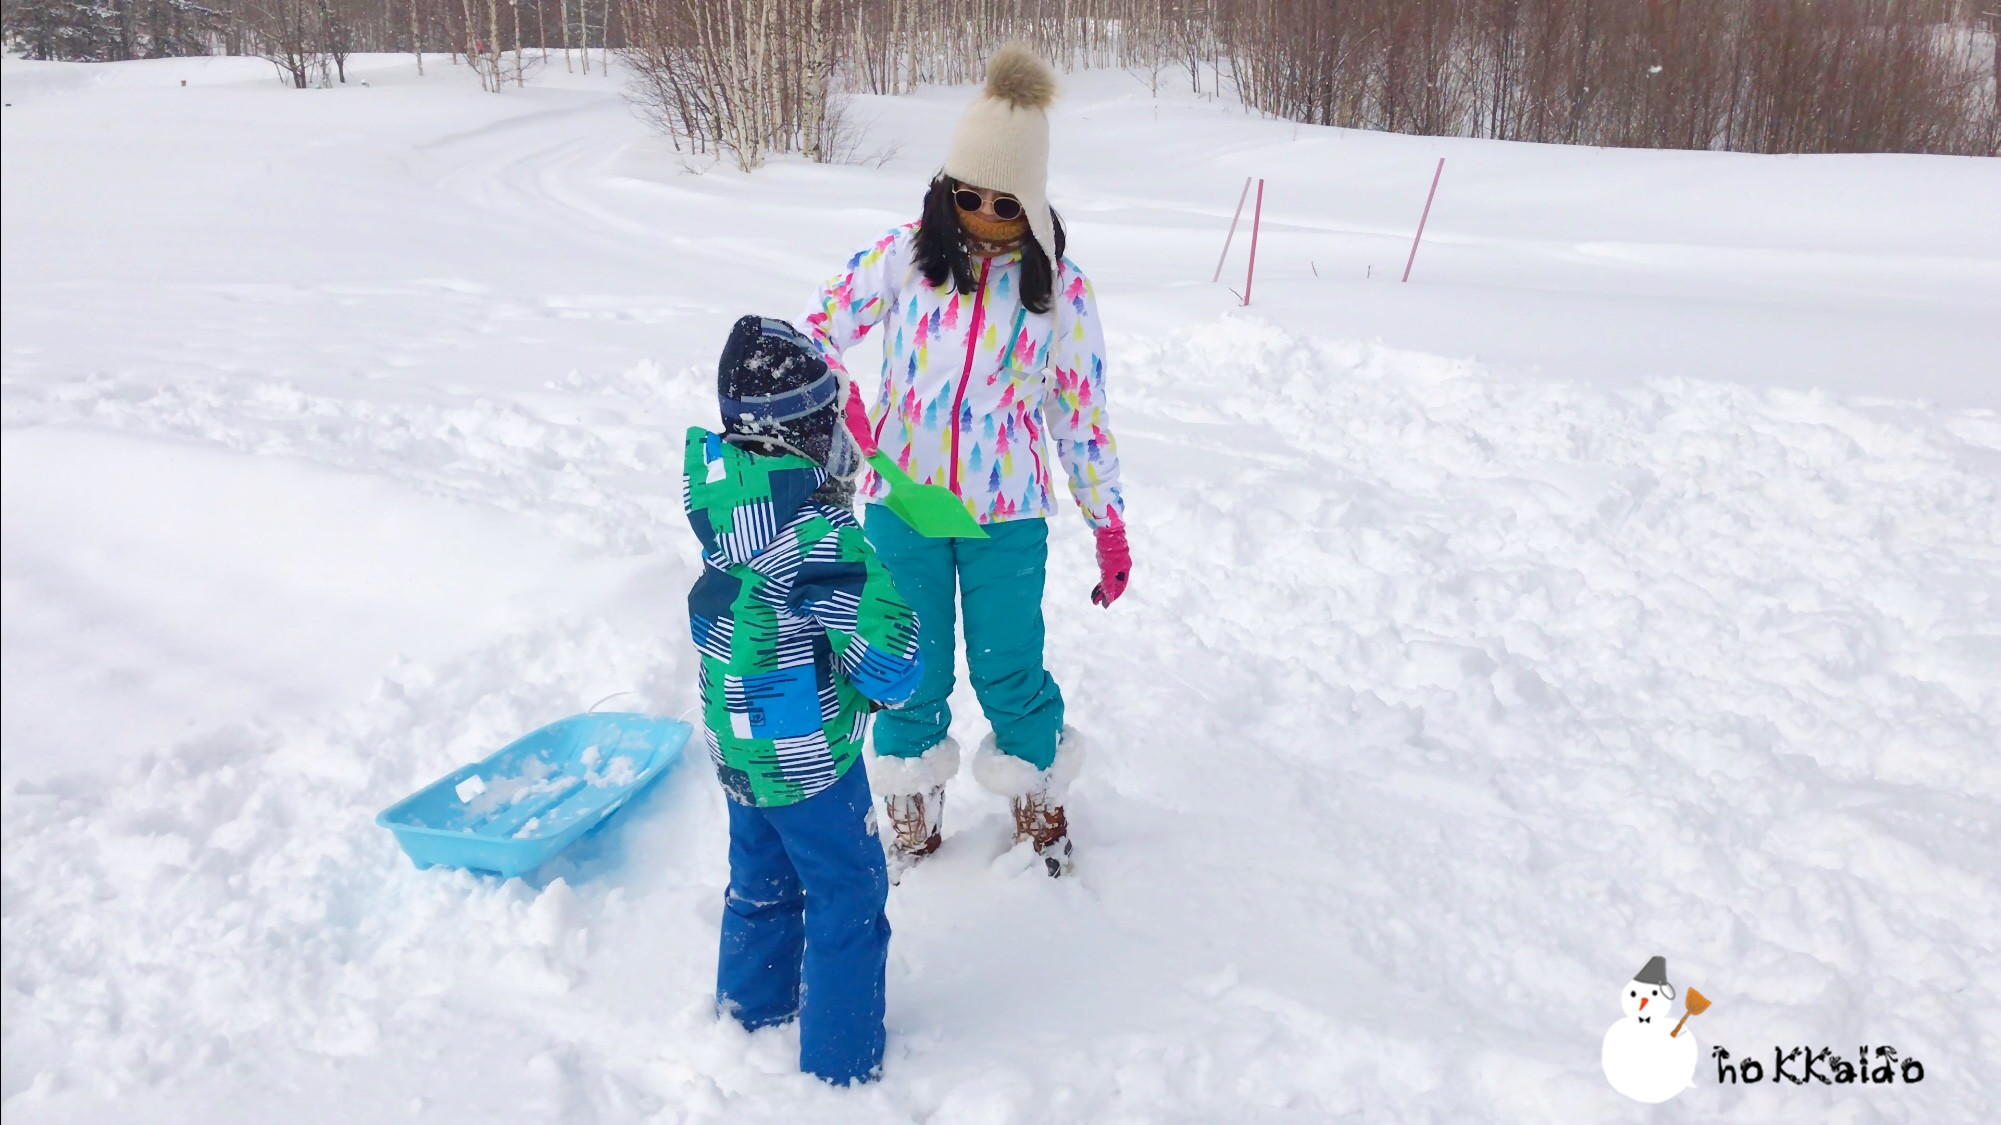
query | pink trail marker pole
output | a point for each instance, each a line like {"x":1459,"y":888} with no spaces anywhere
{"x":1241,"y":196}
{"x":1256,"y":213}
{"x":1423,"y":217}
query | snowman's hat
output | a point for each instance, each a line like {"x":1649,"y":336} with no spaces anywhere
{"x":1655,"y":972}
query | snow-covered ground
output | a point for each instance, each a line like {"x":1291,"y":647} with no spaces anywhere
{"x":1628,"y":583}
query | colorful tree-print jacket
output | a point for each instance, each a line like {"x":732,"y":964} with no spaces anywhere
{"x":970,"y":381}
{"x":798,"y":624}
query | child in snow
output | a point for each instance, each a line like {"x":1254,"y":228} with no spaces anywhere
{"x":990,"y":342}
{"x":801,"y":635}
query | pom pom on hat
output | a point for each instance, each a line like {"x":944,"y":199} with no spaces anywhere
{"x":1016,"y":76}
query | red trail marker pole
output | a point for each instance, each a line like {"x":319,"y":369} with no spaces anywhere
{"x":1256,"y":214}
{"x":1241,"y":196}
{"x":1423,"y":217}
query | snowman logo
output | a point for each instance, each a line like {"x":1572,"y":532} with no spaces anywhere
{"x":1648,"y":1056}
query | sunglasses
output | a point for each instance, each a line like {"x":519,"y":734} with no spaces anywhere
{"x":1005,"y":207}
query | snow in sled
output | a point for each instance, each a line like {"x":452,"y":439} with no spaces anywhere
{"x":512,"y":812}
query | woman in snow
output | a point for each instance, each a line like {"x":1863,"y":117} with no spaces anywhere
{"x":991,"y":338}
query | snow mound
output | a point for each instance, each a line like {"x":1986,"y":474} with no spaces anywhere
{"x":1437,"y":695}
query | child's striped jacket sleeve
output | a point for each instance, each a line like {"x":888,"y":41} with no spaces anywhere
{"x":873,"y":631}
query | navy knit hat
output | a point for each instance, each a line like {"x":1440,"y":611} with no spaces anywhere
{"x":774,"y":389}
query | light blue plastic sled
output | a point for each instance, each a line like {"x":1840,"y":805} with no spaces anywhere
{"x":512,"y":812}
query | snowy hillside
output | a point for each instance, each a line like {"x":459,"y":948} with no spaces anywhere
{"x":1628,"y":583}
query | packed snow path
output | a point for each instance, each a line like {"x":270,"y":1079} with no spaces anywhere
{"x":341,"y":447}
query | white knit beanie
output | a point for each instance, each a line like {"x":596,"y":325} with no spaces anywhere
{"x":1002,"y":143}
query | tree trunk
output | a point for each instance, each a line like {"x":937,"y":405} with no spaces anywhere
{"x":493,"y":42}
{"x":514,"y":10}
{"x":813,"y":99}
{"x":472,"y":37}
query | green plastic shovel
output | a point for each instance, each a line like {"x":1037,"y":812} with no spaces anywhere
{"x":931,"y":510}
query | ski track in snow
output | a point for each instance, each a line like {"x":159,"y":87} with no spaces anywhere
{"x":1439,"y":701}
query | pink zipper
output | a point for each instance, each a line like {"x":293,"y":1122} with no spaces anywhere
{"x":966,"y":376}
{"x":1035,"y":450}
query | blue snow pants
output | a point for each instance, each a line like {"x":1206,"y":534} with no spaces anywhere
{"x":998,"y":582}
{"x":804,"y":931}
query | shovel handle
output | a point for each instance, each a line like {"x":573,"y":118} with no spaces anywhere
{"x":1677,"y":1026}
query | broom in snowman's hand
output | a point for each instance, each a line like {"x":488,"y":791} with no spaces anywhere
{"x":1696,"y":1004}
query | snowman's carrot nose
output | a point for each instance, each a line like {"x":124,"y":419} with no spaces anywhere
{"x":1643,"y":1003}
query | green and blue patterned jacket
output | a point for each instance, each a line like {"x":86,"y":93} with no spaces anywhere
{"x":798,"y":624}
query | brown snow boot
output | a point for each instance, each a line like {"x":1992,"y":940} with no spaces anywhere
{"x":916,"y":820}
{"x":913,"y":801}
{"x":916,"y":824}
{"x":1040,"y":820}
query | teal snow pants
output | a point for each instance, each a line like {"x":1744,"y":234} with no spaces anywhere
{"x":997,"y":582}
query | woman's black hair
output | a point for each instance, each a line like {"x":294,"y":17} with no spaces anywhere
{"x":941,"y":249}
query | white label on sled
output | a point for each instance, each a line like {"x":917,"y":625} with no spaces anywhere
{"x":469,"y":788}
{"x":717,"y":470}
{"x":740,"y":724}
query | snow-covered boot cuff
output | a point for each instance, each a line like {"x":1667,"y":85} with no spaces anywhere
{"x":1009,"y":776}
{"x":901,"y":777}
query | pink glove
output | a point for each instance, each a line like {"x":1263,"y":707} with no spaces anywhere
{"x":857,"y":419}
{"x":1115,"y":562}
